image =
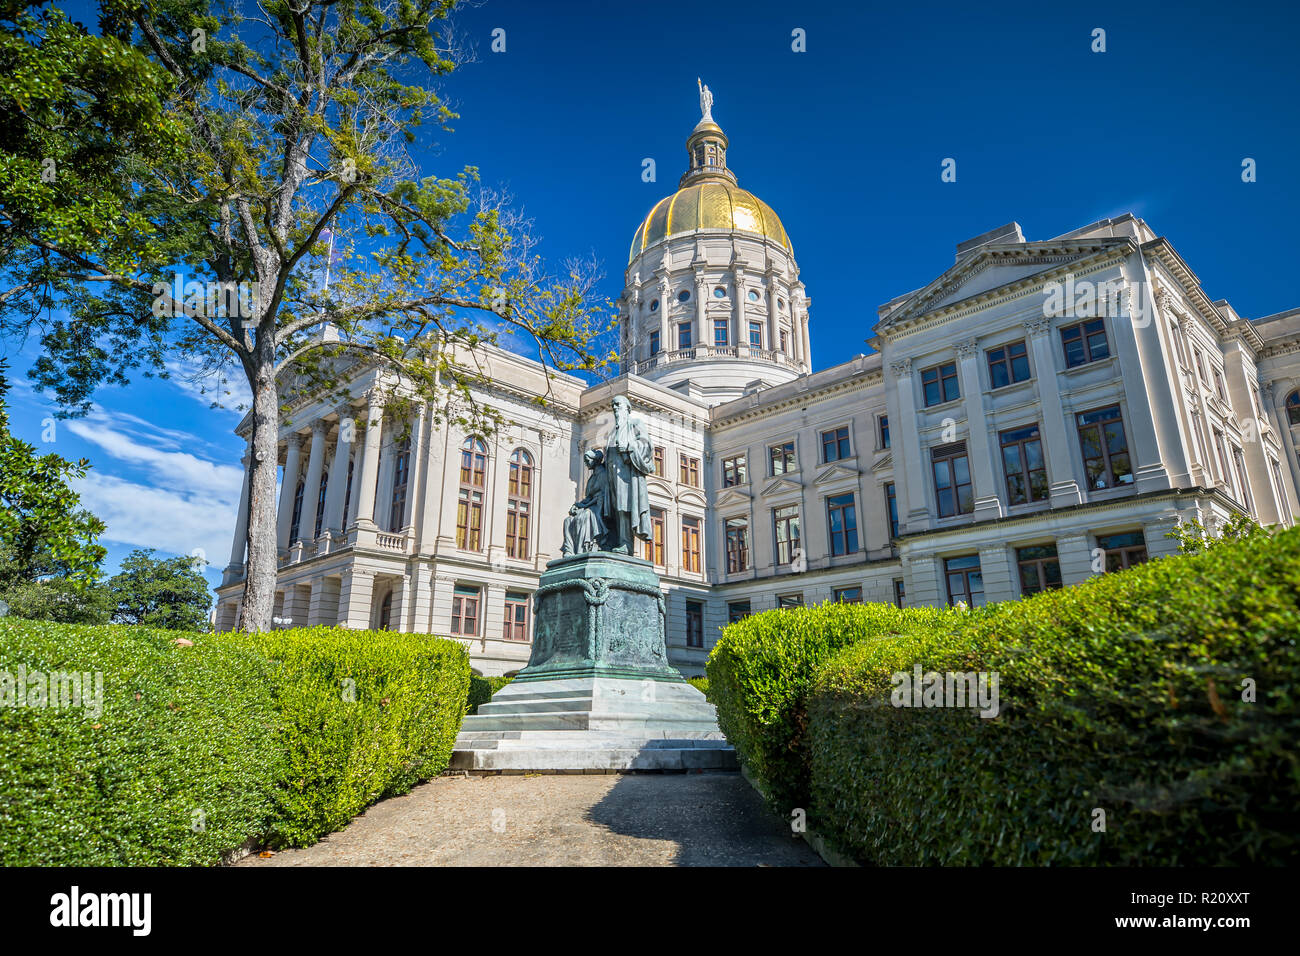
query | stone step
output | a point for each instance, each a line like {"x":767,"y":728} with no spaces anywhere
{"x":562,"y":741}
{"x":588,"y":760}
{"x":632,"y":724}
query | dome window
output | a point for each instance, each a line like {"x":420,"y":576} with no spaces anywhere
{"x":684,"y":295}
{"x":654,"y":305}
{"x":720,"y":292}
{"x":780,"y":304}
{"x":754,"y":296}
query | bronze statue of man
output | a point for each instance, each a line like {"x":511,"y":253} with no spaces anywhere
{"x":629,"y":457}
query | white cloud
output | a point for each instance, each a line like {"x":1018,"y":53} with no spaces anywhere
{"x":231,"y":391}
{"x":167,"y":465}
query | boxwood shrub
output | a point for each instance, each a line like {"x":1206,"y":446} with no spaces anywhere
{"x":363,"y":715}
{"x":202,"y":747}
{"x":481,"y":689}
{"x":1127,"y":694}
{"x":761,"y":671}
{"x":180,"y":765}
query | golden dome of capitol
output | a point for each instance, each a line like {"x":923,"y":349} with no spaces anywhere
{"x":707,"y":197}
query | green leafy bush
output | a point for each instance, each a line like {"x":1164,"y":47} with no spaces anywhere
{"x":481,"y":689}
{"x":179,"y":765}
{"x":1122,"y":694}
{"x":280,"y":737}
{"x":699,"y":683}
{"x":761,"y":671}
{"x":364,"y":715}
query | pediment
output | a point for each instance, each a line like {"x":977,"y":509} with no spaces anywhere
{"x":988,"y":269}
{"x":731,"y":496}
{"x":692,"y":496}
{"x":836,"y":472}
{"x":660,"y":485}
{"x":885,"y":461}
{"x":782,"y":484}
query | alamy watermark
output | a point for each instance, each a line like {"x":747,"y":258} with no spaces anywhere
{"x":57,"y":690}
{"x":211,"y":300}
{"x":974,"y":690}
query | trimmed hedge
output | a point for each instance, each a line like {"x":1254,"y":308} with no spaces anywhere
{"x":481,"y":689}
{"x":760,"y":674}
{"x":255,"y":731}
{"x":700,"y":683}
{"x":182,"y":729}
{"x":1123,"y":693}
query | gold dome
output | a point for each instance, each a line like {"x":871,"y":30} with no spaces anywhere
{"x":708,"y":205}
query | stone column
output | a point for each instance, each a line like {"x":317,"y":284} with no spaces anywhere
{"x":773,"y":315}
{"x":324,"y":602}
{"x":738,"y":313}
{"x":667,"y":343}
{"x":284,"y":518}
{"x":701,"y":301}
{"x":1149,"y":471}
{"x":415,"y":471}
{"x":997,"y":572}
{"x":365,"y":510}
{"x":1056,"y":429}
{"x":311,"y":485}
{"x":988,"y":501}
{"x":238,"y":546}
{"x":336,"y":492}
{"x":909,"y":474}
{"x":355,"y":594}
{"x":1274,"y":401}
{"x":1074,"y":555}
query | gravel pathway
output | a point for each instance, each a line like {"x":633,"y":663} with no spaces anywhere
{"x":695,"y":819}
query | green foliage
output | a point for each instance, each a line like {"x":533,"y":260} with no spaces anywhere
{"x":281,"y":737}
{"x":44,"y":532}
{"x":160,"y":592}
{"x":761,"y":671}
{"x":60,"y":600}
{"x":1124,"y":693}
{"x":699,"y":683}
{"x":1194,"y":538}
{"x":182,"y":729}
{"x":481,"y":689}
{"x":363,"y":715}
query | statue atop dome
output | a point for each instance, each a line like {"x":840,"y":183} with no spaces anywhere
{"x":706,"y":101}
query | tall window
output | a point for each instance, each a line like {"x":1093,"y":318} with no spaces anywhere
{"x":1200,"y":366}
{"x":1039,"y":569}
{"x":1218,"y":385}
{"x":952,"y":483}
{"x":659,"y":460}
{"x":1223,"y":460}
{"x":737,"y":531}
{"x":1123,"y":550}
{"x":782,"y":457}
{"x":683,"y":335}
{"x":1105,"y":449}
{"x":720,"y":332}
{"x":691,"y":545}
{"x":654,"y":343}
{"x":1242,"y":482}
{"x":784,"y":337}
{"x":347,"y":495}
{"x":688,"y":470}
{"x":516,"y":619}
{"x":965,"y":582}
{"x":297,"y":513}
{"x":755,"y":335}
{"x":939,"y":384}
{"x":386,"y":612}
{"x":519,"y":504}
{"x":694,"y":624}
{"x":737,"y":611}
{"x":900,"y":591}
{"x":734,"y":471}
{"x":835,"y":444}
{"x":891,"y":505}
{"x":785,"y":527}
{"x":884,"y":431}
{"x":1022,"y":460}
{"x":1085,"y":342}
{"x":464,"y":611}
{"x":654,"y":545}
{"x":843,"y":519}
{"x":401,"y":472}
{"x":473,"y":483}
{"x":1008,"y":364}
{"x":1293,"y":408}
{"x":320,"y":502}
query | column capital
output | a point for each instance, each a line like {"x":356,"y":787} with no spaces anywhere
{"x":1039,"y":325}
{"x":319,"y":427}
{"x":293,"y":440}
{"x":901,"y":368}
{"x":967,"y":348}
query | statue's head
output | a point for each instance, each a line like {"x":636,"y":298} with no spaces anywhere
{"x":593,"y":457}
{"x":621,"y":407}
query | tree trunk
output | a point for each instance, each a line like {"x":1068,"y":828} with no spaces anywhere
{"x":261,"y":568}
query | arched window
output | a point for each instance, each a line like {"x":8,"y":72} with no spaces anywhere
{"x":386,"y":612}
{"x":401,"y":474}
{"x":1293,"y":408}
{"x":347,"y":496}
{"x":473,"y":483}
{"x":519,"y":505}
{"x":297,"y":513}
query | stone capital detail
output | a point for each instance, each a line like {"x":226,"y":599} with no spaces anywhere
{"x":901,"y":368}
{"x":967,"y":349}
{"x":293,"y":440}
{"x":1038,"y":326}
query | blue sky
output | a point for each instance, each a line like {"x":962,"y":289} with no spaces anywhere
{"x":844,"y":141}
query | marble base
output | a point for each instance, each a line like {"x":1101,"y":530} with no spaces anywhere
{"x":595,"y":725}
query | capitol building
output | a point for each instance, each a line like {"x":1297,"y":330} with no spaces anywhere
{"x":1041,"y":411}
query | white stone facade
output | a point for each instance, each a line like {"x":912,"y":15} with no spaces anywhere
{"x":1017,"y":453}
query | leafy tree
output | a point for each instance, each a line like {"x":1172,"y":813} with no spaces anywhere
{"x":160,"y":592}
{"x":1194,"y":538}
{"x":49,"y":558}
{"x":239,"y":158}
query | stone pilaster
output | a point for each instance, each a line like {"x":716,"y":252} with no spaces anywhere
{"x":311,"y":484}
{"x":289,"y":485}
{"x":988,"y":499}
{"x":355,"y":595}
{"x":365,"y":510}
{"x":1056,"y":430}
